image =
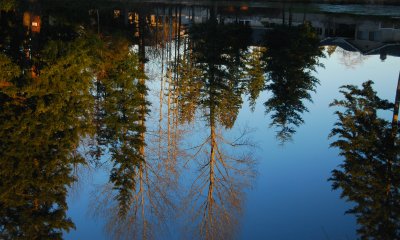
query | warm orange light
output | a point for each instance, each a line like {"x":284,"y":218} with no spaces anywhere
{"x":244,"y":8}
{"x":117,"y":13}
{"x":27,"y":19}
{"x":36,"y":21}
{"x":130,"y":17}
{"x":34,"y":72}
{"x":4,"y":84}
{"x":153,"y":20}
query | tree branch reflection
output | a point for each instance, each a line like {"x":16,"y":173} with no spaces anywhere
{"x":369,"y":176}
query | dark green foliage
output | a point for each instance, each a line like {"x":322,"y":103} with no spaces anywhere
{"x":70,"y":86}
{"x":218,"y":51}
{"x":121,"y":108}
{"x":125,"y":107}
{"x":189,"y":90}
{"x":255,"y":73}
{"x":8,"y":5}
{"x":369,"y":176}
{"x":9,"y":71}
{"x":12,"y":37}
{"x":291,"y":56}
{"x":41,"y":126}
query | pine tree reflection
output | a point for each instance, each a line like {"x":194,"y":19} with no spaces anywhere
{"x":43,"y":118}
{"x":216,"y":193}
{"x":77,"y":84}
{"x":48,"y":107}
{"x":136,"y":201}
{"x":369,"y":175}
{"x":291,"y":57}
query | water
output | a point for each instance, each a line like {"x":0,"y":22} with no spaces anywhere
{"x":212,"y":122}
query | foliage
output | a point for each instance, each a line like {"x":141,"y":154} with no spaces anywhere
{"x":218,"y":54}
{"x":8,"y":5}
{"x":9,"y":71}
{"x":190,"y":85}
{"x":369,"y":176}
{"x":40,"y":132}
{"x":215,"y":196}
{"x":292,"y":55}
{"x":255,"y":73}
{"x":65,"y":86}
{"x":125,"y":108}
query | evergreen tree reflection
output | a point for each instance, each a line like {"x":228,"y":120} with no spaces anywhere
{"x":369,"y":175}
{"x":136,"y":200}
{"x":291,"y":57}
{"x":43,"y":119}
{"x":216,"y":193}
{"x":59,"y":85}
{"x":219,"y":50}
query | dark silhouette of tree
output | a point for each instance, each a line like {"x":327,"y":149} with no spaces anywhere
{"x":216,"y":193}
{"x":291,"y":57}
{"x":218,"y":50}
{"x":369,"y":175}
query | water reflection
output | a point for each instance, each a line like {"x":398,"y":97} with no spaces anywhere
{"x":74,"y":85}
{"x":218,"y":54}
{"x":369,"y":175}
{"x":216,"y":193}
{"x":44,"y":112}
{"x":292,"y":55}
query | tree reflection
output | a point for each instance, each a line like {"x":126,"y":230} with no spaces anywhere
{"x":351,"y":59}
{"x":255,"y":74}
{"x":225,"y":170}
{"x":216,"y":193}
{"x":369,"y":176}
{"x":291,"y":57}
{"x":124,"y":107}
{"x":42,"y":121}
{"x":59,"y":90}
{"x":219,"y":53}
{"x":208,"y":77}
{"x":62,"y":87}
{"x":8,"y":5}
{"x":136,"y":201}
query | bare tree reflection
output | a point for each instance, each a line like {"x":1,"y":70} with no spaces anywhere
{"x":351,"y":59}
{"x":225,"y":170}
{"x":137,"y":201}
{"x":224,"y":167}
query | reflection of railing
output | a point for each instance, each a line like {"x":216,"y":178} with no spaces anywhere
{"x":383,"y":49}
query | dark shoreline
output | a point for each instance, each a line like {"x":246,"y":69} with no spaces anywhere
{"x":358,"y":2}
{"x":242,"y":2}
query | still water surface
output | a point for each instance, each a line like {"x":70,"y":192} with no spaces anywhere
{"x":194,"y":121}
